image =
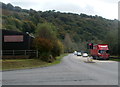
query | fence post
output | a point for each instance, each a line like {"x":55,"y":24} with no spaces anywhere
{"x":37,"y":54}
{"x":13,"y":52}
{"x":25,"y":52}
{"x":1,"y":54}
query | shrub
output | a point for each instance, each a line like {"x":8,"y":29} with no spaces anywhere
{"x":44,"y":46}
{"x":57,"y":48}
{"x":46,"y":42}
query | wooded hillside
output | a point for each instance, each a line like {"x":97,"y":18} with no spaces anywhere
{"x":74,"y":30}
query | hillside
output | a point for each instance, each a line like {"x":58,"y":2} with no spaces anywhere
{"x":81,"y":28}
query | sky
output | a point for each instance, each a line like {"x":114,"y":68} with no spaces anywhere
{"x":106,"y":8}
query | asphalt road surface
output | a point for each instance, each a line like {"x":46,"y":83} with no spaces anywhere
{"x":73,"y":70}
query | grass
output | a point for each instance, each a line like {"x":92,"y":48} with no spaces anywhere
{"x":13,"y":64}
{"x":58,"y":59}
{"x":115,"y":58}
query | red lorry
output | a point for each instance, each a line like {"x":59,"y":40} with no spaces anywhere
{"x":100,"y":51}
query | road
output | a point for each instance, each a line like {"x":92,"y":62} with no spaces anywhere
{"x":73,"y":70}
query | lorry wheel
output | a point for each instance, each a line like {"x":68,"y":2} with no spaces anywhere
{"x":93,"y":57}
{"x":97,"y":57}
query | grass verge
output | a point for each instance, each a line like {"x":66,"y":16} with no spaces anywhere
{"x":13,"y":64}
{"x":115,"y":58}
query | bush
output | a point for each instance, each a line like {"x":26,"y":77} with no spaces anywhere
{"x":48,"y":49}
{"x":46,"y":57}
{"x":46,"y":42}
{"x":44,"y":46}
{"x":57,"y":48}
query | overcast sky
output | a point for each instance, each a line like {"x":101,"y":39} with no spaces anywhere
{"x":105,"y":8}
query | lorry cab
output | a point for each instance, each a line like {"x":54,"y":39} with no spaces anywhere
{"x":103,"y":54}
{"x":100,"y":51}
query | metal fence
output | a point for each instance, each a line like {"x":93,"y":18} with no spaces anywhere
{"x":33,"y":53}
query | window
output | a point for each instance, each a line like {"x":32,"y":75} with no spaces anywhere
{"x":103,"y":51}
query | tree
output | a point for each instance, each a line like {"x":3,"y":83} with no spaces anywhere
{"x":17,"y":8}
{"x":112,"y":40}
{"x":68,"y":43}
{"x":28,"y":26}
{"x":58,"y":48}
{"x":11,"y":27}
{"x":46,"y":42}
{"x":46,"y":30}
{"x":10,"y":6}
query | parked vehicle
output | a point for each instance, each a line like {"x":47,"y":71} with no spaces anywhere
{"x":100,"y":51}
{"x":75,"y":52}
{"x":79,"y":53}
{"x":85,"y":54}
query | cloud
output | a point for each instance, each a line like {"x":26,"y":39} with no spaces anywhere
{"x":105,"y":8}
{"x":25,"y":4}
{"x":110,"y":1}
{"x":90,"y":10}
{"x":119,"y":10}
{"x":65,"y":7}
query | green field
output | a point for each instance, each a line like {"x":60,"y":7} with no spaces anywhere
{"x":13,"y":64}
